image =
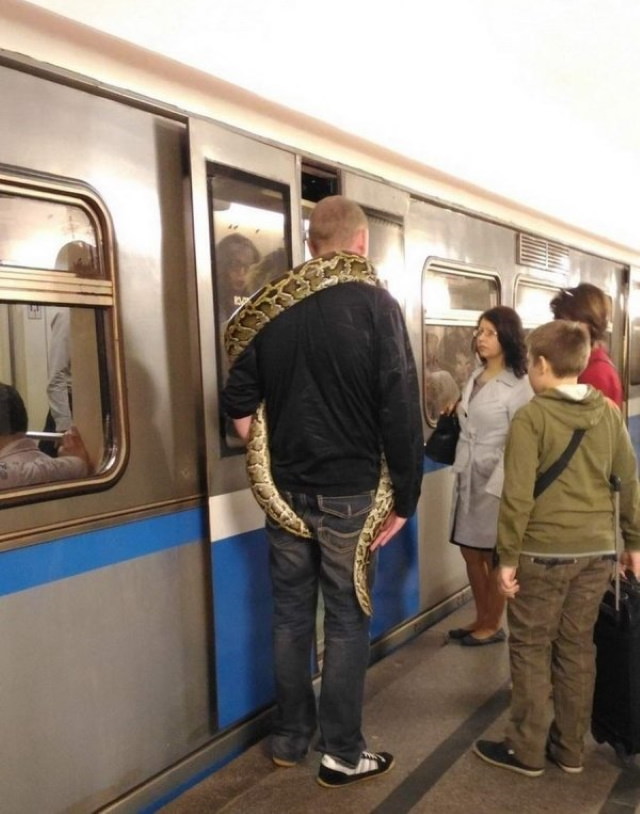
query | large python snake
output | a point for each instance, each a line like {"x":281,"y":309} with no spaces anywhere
{"x":264,"y":306}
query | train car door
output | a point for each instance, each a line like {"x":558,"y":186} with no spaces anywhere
{"x":396,"y":595}
{"x":247,"y":230}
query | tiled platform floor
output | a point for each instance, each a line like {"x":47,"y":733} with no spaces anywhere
{"x":426,"y":703}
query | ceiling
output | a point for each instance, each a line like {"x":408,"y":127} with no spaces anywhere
{"x":532,"y":100}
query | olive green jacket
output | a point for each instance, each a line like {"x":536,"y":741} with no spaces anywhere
{"x":574,"y":515}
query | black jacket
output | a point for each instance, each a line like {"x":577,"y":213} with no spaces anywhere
{"x":339,"y":380}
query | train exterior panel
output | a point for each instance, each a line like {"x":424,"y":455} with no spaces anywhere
{"x":135,"y":604}
{"x":105,"y":608}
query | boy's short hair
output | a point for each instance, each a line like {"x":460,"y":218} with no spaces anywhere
{"x":13,"y":413}
{"x":565,"y":345}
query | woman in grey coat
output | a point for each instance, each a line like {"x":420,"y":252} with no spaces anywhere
{"x":490,"y":399}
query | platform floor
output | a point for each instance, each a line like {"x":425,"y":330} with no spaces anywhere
{"x":426,"y":703}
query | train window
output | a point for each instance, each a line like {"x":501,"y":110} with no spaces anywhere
{"x":453,"y":297}
{"x":455,"y":294}
{"x":57,"y":345}
{"x":251,"y":231}
{"x":53,"y":250}
{"x":532,"y":302}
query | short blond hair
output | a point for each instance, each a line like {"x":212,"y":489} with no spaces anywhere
{"x":565,"y":345}
{"x":334,"y":223}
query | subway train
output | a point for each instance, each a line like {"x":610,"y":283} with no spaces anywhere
{"x":135,"y":605}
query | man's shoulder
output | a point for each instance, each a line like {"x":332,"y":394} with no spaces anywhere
{"x":358,"y":288}
{"x":354,"y":295}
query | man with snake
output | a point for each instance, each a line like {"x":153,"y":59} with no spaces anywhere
{"x":324,"y":388}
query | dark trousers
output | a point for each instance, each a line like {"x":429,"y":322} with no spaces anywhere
{"x":299,"y":567}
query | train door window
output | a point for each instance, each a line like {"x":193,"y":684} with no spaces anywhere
{"x":453,"y":297}
{"x":251,"y":231}
{"x":634,"y":334}
{"x":532,"y":302}
{"x":57,"y":337}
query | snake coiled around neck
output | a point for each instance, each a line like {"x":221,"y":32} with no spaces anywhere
{"x":264,"y":306}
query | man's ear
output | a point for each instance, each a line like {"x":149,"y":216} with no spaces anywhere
{"x":543,"y":364}
{"x":360,"y":244}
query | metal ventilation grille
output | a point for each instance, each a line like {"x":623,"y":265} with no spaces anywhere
{"x":541,"y":254}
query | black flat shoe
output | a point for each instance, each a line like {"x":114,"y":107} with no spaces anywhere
{"x":472,"y":641}
{"x":459,"y":633}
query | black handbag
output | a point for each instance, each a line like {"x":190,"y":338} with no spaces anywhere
{"x":441,"y":444}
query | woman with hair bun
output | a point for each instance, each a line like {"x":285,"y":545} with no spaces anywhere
{"x":588,"y":304}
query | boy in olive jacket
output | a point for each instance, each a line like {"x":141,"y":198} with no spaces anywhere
{"x":555,"y":551}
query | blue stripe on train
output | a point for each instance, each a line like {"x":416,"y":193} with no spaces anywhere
{"x":28,"y":567}
{"x":241,"y":591}
{"x":242,"y":596}
{"x":634,"y":432}
{"x":242,"y":622}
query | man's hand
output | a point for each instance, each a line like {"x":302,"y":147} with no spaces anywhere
{"x":630,"y":560}
{"x":449,"y":408}
{"x":243,"y":425}
{"x":507,"y":582}
{"x":390,"y":527}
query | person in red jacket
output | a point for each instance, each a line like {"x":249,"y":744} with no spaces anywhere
{"x":588,"y":304}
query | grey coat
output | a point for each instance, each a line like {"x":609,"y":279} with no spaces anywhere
{"x":478,"y":466}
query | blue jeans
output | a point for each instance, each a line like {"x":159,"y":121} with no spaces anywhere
{"x":298,"y":568}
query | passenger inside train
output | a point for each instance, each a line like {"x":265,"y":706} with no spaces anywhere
{"x":440,"y":386}
{"x":456,"y":354}
{"x":21,"y":462}
{"x":269,"y":268}
{"x":79,"y":257}
{"x":235,"y":255}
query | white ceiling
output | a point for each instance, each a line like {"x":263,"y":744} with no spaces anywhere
{"x":534,"y":100}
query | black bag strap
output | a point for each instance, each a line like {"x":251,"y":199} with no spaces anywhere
{"x":548,"y":477}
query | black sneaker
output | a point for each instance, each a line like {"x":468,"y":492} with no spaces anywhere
{"x":283,"y":762}
{"x":334,"y":773}
{"x":497,"y":753}
{"x":553,"y":757}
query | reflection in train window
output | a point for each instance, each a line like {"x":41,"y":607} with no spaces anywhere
{"x":57,"y":328}
{"x":251,"y":231}
{"x":454,"y":296}
{"x":532,"y":303}
{"x":67,"y":243}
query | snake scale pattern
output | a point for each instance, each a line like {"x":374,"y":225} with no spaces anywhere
{"x":264,"y":306}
